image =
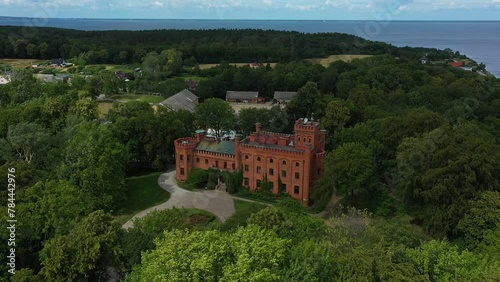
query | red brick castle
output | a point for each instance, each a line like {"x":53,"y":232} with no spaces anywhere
{"x":296,"y":160}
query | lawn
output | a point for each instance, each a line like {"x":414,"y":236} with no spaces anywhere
{"x":207,"y":66}
{"x":240,"y":205}
{"x":330,"y":59}
{"x":104,"y":108}
{"x":244,"y":210}
{"x":145,"y":98}
{"x":20,"y":63}
{"x":142,"y":192}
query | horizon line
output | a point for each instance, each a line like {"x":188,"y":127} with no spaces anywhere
{"x":229,"y":19}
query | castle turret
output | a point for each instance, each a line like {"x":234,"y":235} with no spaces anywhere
{"x":184,"y":155}
{"x":306,"y":132}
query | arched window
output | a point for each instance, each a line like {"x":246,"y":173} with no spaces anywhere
{"x":284,"y":162}
{"x":271,"y":160}
{"x":258,"y":159}
{"x":297,"y":164}
{"x":246,"y":157}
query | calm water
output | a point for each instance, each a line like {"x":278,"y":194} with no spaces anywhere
{"x":478,"y":40}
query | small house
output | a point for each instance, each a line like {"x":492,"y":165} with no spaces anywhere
{"x":191,"y":85}
{"x":242,"y":96}
{"x":58,"y":63}
{"x":284,"y":97}
{"x":455,"y":64}
{"x":47,"y":78}
{"x":184,"y":100}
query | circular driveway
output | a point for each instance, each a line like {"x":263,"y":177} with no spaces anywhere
{"x":219,"y":203}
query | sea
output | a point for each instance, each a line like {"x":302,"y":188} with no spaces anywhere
{"x":479,"y":40}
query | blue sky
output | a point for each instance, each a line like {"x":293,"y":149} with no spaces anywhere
{"x":257,"y":9}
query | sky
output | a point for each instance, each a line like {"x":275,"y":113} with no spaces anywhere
{"x":256,"y":9}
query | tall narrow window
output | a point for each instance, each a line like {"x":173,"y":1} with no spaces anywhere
{"x":225,"y":165}
{"x":296,"y":189}
{"x":259,"y":183}
{"x":246,"y":181}
{"x":247,"y":168}
{"x":206,"y":161}
{"x":259,"y":170}
{"x":182,"y":171}
{"x":297,"y":175}
{"x":182,"y":157}
{"x":283,"y":187}
{"x":283,"y":173}
{"x":271,"y":171}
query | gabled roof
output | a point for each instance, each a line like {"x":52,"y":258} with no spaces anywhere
{"x":242,"y":95}
{"x":222,"y":146}
{"x":184,"y":100}
{"x":46,"y":77}
{"x":284,"y":95}
{"x":58,"y":61}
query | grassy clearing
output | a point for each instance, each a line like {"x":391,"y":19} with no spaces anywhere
{"x":145,"y":98}
{"x":240,"y":205}
{"x":142,"y":192}
{"x":104,"y":108}
{"x":21,"y":63}
{"x":207,"y":66}
{"x":330,"y":59}
{"x":244,"y":210}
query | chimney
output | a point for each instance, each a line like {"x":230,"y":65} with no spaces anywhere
{"x":258,"y":127}
{"x":200,"y":135}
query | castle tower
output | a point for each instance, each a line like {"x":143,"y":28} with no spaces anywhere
{"x":306,"y":132}
{"x":184,"y":156}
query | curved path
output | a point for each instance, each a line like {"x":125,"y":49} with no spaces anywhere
{"x":217,"y":202}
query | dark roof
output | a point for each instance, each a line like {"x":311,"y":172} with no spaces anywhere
{"x":284,"y":95}
{"x":222,"y":147}
{"x":242,"y":95}
{"x":185,"y":100}
{"x":58,"y":61}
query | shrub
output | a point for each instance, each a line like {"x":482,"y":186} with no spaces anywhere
{"x":198,"y":178}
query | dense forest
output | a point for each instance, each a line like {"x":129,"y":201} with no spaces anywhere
{"x":413,"y":161}
{"x":197,"y":46}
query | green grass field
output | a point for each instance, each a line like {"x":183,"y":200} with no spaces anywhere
{"x":207,"y":66}
{"x":330,"y":59}
{"x":145,"y":98}
{"x":142,"y":192}
{"x":104,"y":108}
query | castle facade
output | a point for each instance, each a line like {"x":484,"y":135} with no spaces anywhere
{"x":289,"y":163}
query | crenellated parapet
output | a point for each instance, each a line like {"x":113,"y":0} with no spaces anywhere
{"x":214,"y":154}
{"x":273,"y":150}
{"x":186,"y":143}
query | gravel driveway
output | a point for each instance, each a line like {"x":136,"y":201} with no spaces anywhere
{"x":217,"y":202}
